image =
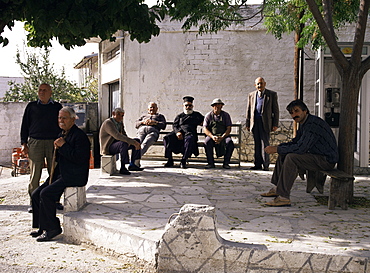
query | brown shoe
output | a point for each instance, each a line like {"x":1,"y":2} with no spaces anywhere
{"x":279,"y":202}
{"x":270,"y":193}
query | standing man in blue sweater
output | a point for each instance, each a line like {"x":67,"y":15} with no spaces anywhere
{"x":39,"y":129}
{"x":314,"y":148}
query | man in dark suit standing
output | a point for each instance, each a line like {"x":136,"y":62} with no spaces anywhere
{"x":72,"y":170}
{"x":262,"y":118}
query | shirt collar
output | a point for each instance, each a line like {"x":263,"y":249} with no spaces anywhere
{"x":50,"y":101}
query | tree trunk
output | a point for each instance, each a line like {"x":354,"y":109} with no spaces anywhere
{"x":351,"y":83}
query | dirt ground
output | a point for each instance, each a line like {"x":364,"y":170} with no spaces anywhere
{"x":19,"y":252}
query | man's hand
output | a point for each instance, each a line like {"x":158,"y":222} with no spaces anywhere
{"x":59,"y":142}
{"x":137,"y":145}
{"x":24,"y":150}
{"x":271,"y":149}
{"x":217,"y":139}
{"x":179,"y":136}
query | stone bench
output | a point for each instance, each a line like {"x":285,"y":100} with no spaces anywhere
{"x":341,"y":186}
{"x":108,"y":164}
{"x":74,"y":198}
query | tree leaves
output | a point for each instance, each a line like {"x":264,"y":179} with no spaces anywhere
{"x":37,"y":69}
{"x":71,"y":22}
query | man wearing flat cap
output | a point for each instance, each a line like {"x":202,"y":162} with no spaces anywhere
{"x":183,"y":139}
{"x":217,"y":127}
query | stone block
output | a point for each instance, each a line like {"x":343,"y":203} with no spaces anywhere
{"x":108,"y":164}
{"x":74,"y":198}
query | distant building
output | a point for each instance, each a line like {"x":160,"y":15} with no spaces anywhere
{"x":4,"y":84}
{"x":88,"y":67}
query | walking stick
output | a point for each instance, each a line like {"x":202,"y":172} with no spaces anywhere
{"x":53,"y":165}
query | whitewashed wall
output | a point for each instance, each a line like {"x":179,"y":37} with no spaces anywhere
{"x":222,"y":65}
{"x":11,"y":114}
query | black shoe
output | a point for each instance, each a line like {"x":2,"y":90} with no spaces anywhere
{"x":266,"y":168}
{"x":209,"y":166}
{"x":36,"y":233}
{"x":124,"y":171}
{"x":134,"y":168}
{"x":29,"y":210}
{"x":183,"y":164}
{"x":59,"y":206}
{"x":169,"y":163}
{"x":256,"y":168}
{"x":48,"y":235}
{"x":226,"y":166}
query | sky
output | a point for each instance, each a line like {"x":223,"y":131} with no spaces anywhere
{"x":59,"y":56}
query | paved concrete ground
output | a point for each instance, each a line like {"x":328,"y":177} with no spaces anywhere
{"x":142,"y":203}
{"x":139,"y":206}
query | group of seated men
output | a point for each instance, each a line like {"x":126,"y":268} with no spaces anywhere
{"x":183,"y":139}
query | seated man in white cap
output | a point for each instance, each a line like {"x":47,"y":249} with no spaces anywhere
{"x":217,"y":127}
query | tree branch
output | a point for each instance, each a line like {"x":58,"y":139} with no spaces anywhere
{"x":328,"y":33}
{"x":360,"y":31}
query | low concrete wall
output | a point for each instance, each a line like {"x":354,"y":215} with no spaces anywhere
{"x":191,"y":243}
{"x":11,"y":114}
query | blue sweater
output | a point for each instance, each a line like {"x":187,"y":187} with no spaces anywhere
{"x":313,"y":136}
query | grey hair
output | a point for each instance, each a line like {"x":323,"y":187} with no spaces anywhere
{"x":72,"y":113}
{"x":118,"y":110}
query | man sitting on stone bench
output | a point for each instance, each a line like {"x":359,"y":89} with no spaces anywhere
{"x":114,"y":140}
{"x":314,"y":148}
{"x":72,"y":170}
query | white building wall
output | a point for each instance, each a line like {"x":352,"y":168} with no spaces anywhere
{"x":11,"y":114}
{"x":222,"y":65}
{"x":4,"y":86}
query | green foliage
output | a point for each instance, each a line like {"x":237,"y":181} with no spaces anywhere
{"x":282,"y":16}
{"x":71,"y":22}
{"x":37,"y":69}
{"x":208,"y":15}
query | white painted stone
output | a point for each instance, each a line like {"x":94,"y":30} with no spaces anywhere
{"x":74,"y":198}
{"x":108,"y":164}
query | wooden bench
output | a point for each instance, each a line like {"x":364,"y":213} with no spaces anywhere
{"x":236,"y":135}
{"x":341,"y":186}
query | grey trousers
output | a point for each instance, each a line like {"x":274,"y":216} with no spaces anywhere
{"x":39,"y":149}
{"x":147,"y":135}
{"x":287,"y":166}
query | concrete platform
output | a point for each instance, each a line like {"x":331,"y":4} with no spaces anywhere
{"x":129,"y":214}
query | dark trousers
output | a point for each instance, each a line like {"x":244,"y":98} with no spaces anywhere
{"x":44,"y":200}
{"x":185,"y":146}
{"x":122,"y":148}
{"x":261,"y":140}
{"x":209,"y":144}
{"x":287,"y":166}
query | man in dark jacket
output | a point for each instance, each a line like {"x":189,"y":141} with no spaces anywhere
{"x":314,"y":148}
{"x":72,"y":170}
{"x":184,"y":137}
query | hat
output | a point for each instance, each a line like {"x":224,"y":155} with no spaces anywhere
{"x":216,"y":101}
{"x":188,"y":98}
